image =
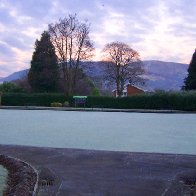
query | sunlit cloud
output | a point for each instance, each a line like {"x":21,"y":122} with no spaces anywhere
{"x":161,"y":42}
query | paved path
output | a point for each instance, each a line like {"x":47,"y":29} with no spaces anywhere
{"x":102,"y":173}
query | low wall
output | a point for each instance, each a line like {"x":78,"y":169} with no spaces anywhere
{"x":22,"y":178}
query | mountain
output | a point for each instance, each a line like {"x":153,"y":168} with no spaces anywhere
{"x":165,"y":75}
{"x":159,"y":74}
{"x":15,"y":76}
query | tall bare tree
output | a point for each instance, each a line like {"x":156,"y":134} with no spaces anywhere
{"x":72,"y":43}
{"x":123,"y":65}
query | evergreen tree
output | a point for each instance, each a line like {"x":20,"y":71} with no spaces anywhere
{"x":190,"y":81}
{"x":44,"y":74}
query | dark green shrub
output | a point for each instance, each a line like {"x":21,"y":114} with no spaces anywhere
{"x":101,"y":102}
{"x":37,"y":99}
{"x":160,"y":100}
{"x":10,"y":87}
{"x":56,"y":104}
{"x":66,"y":104}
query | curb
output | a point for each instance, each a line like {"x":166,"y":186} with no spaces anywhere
{"x":9,"y":163}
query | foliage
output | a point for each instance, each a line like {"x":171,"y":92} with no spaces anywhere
{"x":66,"y":104}
{"x":35,"y":99}
{"x":190,"y":81}
{"x":123,"y":65}
{"x":95,"y":91}
{"x":70,"y":38}
{"x":9,"y":87}
{"x":43,"y":75}
{"x":164,"y":100}
{"x":56,"y":104}
{"x":24,"y":84}
{"x":84,"y":85}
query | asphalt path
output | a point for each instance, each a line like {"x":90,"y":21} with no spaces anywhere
{"x":102,"y":173}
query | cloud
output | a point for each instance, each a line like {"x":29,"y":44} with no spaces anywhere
{"x":157,"y":29}
{"x":163,"y":40}
{"x":5,"y":50}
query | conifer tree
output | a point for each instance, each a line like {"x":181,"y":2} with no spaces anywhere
{"x":44,"y":74}
{"x":190,"y":81}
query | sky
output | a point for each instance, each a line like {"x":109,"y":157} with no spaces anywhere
{"x":158,"y":29}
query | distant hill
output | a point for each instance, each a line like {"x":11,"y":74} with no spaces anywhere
{"x":161,"y":75}
{"x":15,"y":76}
{"x":165,"y":75}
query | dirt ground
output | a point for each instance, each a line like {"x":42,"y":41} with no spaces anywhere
{"x":74,"y":172}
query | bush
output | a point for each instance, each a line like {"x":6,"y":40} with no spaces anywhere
{"x":37,"y":99}
{"x":66,"y":104}
{"x":56,"y":104}
{"x":159,"y":100}
{"x":9,"y":87}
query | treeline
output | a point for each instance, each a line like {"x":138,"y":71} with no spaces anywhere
{"x":161,"y":100}
{"x":57,"y":62}
{"x":56,"y":67}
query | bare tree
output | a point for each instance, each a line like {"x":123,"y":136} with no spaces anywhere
{"x":123,"y":65}
{"x":70,"y":38}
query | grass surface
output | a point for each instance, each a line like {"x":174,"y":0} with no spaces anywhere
{"x":3,"y":177}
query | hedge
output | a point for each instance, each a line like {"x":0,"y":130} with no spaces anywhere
{"x":37,"y":99}
{"x":164,"y":100}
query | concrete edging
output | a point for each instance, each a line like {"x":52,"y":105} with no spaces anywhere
{"x":93,"y":109}
{"x":17,"y":170}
